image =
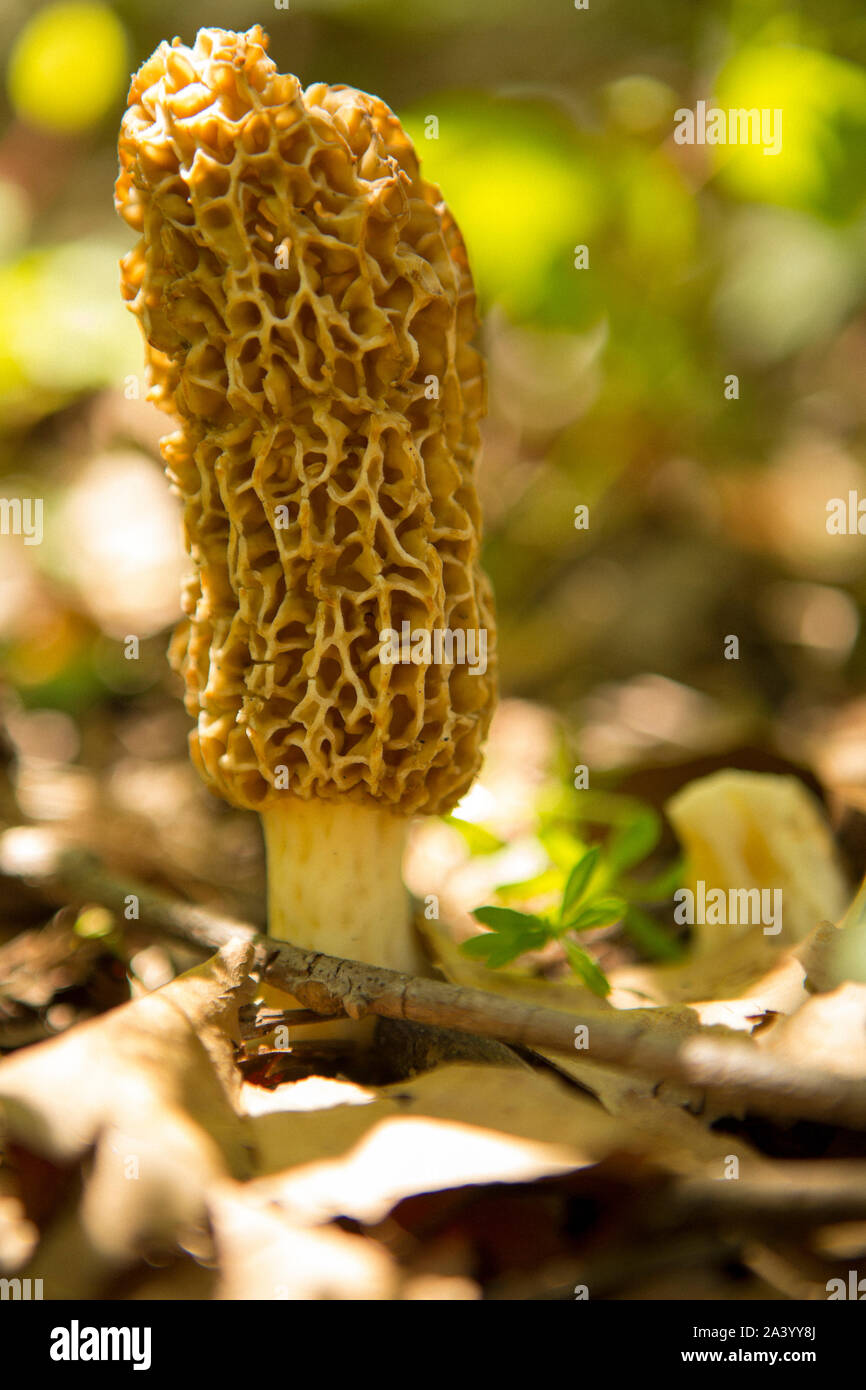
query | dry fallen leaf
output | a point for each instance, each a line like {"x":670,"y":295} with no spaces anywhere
{"x":453,"y":1125}
{"x":264,"y":1254}
{"x":828,"y":1030}
{"x":148,"y":1090}
{"x":748,"y":830}
{"x":457,"y":1126}
{"x":752,"y":966}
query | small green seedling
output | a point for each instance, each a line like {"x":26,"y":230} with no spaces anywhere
{"x":590,"y":887}
{"x":513,"y":932}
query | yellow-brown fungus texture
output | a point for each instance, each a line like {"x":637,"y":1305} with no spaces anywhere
{"x":308,"y":313}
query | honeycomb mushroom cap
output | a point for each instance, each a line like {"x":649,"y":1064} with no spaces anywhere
{"x":300,"y":286}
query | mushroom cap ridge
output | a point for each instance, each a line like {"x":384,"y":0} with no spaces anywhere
{"x":308,"y":312}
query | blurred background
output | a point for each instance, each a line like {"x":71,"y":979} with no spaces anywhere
{"x":707,"y":515}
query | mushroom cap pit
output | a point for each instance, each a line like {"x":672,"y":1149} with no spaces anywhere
{"x":308,"y":312}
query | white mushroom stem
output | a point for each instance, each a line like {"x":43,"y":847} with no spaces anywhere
{"x":335,"y":881}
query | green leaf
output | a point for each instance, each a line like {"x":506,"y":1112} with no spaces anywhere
{"x":586,"y":969}
{"x":478,"y":839}
{"x":562,"y":845}
{"x":492,"y":948}
{"x":631,"y":843}
{"x":600,"y":912}
{"x":512,"y":933}
{"x":508,"y":920}
{"x":650,"y":936}
{"x":549,"y":882}
{"x":578,"y":881}
{"x":654,"y":890}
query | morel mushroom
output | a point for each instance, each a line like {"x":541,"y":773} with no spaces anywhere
{"x":308,"y":308}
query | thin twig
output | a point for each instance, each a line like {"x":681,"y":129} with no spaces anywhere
{"x":256,"y":1023}
{"x":711,"y":1059}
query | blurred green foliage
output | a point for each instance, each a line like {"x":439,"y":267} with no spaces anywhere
{"x":66,"y":65}
{"x":555,"y":131}
{"x":598,"y":844}
{"x":587,"y":887}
